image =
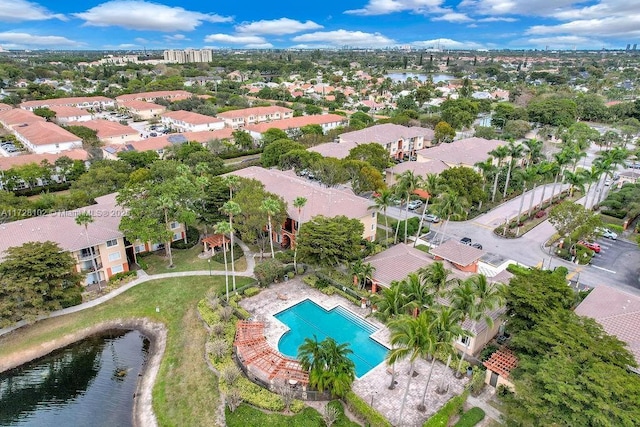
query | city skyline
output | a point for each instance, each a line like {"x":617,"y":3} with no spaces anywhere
{"x":419,"y":24}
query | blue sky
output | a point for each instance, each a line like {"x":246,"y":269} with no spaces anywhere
{"x":448,"y":24}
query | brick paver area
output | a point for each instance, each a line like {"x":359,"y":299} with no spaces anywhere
{"x":373,"y":386}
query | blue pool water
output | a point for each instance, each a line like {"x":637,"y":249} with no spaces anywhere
{"x":307,"y":319}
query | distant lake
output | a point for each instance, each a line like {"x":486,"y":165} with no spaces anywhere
{"x":89,"y":383}
{"x":400,"y":77}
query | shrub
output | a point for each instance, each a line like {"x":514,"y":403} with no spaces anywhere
{"x":249,"y":292}
{"x":477,"y":381}
{"x":452,"y":407}
{"x":366,"y":413}
{"x":310,"y":281}
{"x":423,"y":248}
{"x":540,"y":214}
{"x":193,"y":237}
{"x":486,"y":352}
{"x":208,"y":315}
{"x":286,"y":257}
{"x":120,"y":276}
{"x":268,"y":271}
{"x":470,"y":418}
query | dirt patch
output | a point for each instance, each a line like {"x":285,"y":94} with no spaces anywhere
{"x":155,"y":332}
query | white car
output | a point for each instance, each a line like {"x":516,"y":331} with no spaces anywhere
{"x":414,"y":204}
{"x":607,"y":233}
{"x":431,"y":218}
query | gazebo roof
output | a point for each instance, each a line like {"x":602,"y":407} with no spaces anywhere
{"x":216,"y":240}
{"x":502,"y":362}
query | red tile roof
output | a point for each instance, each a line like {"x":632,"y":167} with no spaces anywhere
{"x":170,"y":95}
{"x":9,"y":162}
{"x":457,"y":253}
{"x":18,"y":116}
{"x":297,"y":122}
{"x":107,"y":128}
{"x":73,"y":101}
{"x":254,"y":111}
{"x":45,"y":133}
{"x":137,"y":105}
{"x":191,"y":117}
{"x":63,"y":111}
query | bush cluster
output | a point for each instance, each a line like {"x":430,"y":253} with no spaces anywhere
{"x":193,"y":237}
{"x":470,"y":418}
{"x":268,"y":271}
{"x":451,"y":408}
{"x":237,"y":254}
{"x":366,"y":413}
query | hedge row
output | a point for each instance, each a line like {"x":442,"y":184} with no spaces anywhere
{"x":470,"y":418}
{"x":366,"y":413}
{"x":451,"y":408}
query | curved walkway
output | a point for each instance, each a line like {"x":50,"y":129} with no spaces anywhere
{"x":142,"y":278}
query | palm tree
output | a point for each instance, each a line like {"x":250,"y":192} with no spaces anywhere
{"x":408,"y":182}
{"x":436,"y":277}
{"x":590,"y":175}
{"x":271,"y":207}
{"x":84,"y":219}
{"x":418,"y":295}
{"x":501,"y":152}
{"x":515,"y":151}
{"x":328,"y":364}
{"x":450,"y":205}
{"x":528,"y":174}
{"x":411,"y":338}
{"x":447,"y":328}
{"x":545,"y":170}
{"x":231,"y":209}
{"x":298,"y":203}
{"x":475,"y":297}
{"x":533,"y":151}
{"x":383,"y":200}
{"x":390,"y":302}
{"x":575,"y":179}
{"x":486,"y":168}
{"x":224,"y":228}
{"x":561,"y":159}
{"x":432,"y":184}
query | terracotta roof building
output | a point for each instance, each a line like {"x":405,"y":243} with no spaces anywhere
{"x":422,"y":169}
{"x":400,"y":141}
{"x":292,"y":125}
{"x":618,"y":312}
{"x":85,"y":102}
{"x":16,"y":117}
{"x":333,"y":149}
{"x":24,"y":159}
{"x":169,"y":95}
{"x":46,"y":137}
{"x":143,"y":110}
{"x":110,"y":132}
{"x":65,"y":114}
{"x":247,"y":116}
{"x":463,"y":257}
{"x":463,"y":152}
{"x":187,"y":121}
{"x":499,"y":367}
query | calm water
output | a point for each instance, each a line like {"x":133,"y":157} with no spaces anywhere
{"x":307,"y":319}
{"x":90,"y":383}
{"x":400,"y":77}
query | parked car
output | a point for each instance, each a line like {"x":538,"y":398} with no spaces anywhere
{"x":477,"y":245}
{"x":605,"y":232}
{"x":414,"y":204}
{"x":466,"y":240}
{"x":633,"y":165}
{"x":432,"y":218}
{"x":591,"y":245}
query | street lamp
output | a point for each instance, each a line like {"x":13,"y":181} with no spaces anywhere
{"x":209,"y":262}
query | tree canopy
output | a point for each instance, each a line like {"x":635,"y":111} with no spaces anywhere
{"x":330,"y":241}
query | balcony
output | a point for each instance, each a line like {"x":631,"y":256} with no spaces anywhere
{"x":88,"y":254}
{"x":88,"y":267}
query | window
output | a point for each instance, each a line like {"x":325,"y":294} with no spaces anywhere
{"x":174,"y":225}
{"x":114,"y":256}
{"x":177,"y":236}
{"x":464,"y":340}
{"x":117,"y":269}
{"x":373,"y":214}
{"x":373,"y":226}
{"x":140,"y":248}
{"x":111,"y":243}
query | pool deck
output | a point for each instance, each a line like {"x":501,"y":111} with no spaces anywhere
{"x":373,"y":386}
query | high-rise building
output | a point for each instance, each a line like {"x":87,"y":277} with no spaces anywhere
{"x":634,"y":46}
{"x":628,"y":46}
{"x":188,"y":55}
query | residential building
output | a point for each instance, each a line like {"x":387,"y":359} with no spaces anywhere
{"x":321,"y":200}
{"x":17,"y":117}
{"x":188,"y":56}
{"x":96,"y":103}
{"x":422,"y":169}
{"x":7,"y":163}
{"x":110,"y":132}
{"x":169,"y":95}
{"x":400,"y":141}
{"x":4,"y":107}
{"x":292,"y":126}
{"x":142,"y":110}
{"x":66,"y":114}
{"x":463,"y":152}
{"x":618,"y":312}
{"x":187,"y":121}
{"x":248,"y":116}
{"x":101,"y":242}
{"x":333,"y":149}
{"x":160,"y":143}
{"x":46,"y":137}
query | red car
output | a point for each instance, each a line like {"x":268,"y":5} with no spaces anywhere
{"x":591,"y":245}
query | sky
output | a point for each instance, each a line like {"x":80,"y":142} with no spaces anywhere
{"x":309,"y":24}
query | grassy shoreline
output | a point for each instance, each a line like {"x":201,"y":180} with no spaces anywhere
{"x":186,"y":391}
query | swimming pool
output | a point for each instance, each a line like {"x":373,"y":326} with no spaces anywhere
{"x":307,"y":319}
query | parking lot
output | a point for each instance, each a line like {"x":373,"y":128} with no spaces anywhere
{"x":620,"y":258}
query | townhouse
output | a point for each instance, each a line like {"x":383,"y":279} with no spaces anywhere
{"x":96,"y":103}
{"x":16,"y":117}
{"x":66,"y":114}
{"x":247,"y":116}
{"x":292,"y":126}
{"x":187,"y":121}
{"x":110,"y":132}
{"x":168,"y":95}
{"x":46,"y":137}
{"x":463,"y":152}
{"x":400,"y":141}
{"x":141,"y":109}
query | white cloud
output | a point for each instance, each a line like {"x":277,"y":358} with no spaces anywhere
{"x":22,"y":10}
{"x":447,"y":44}
{"x":15,"y":40}
{"x":560,"y":42}
{"x":146,"y":16}
{"x":497,"y":19}
{"x":452,"y":17}
{"x":176,"y":38}
{"x":259,"y":46}
{"x":277,"y":27}
{"x":616,"y":26}
{"x":235,"y":39}
{"x":384,"y":7}
{"x":516,"y":7}
{"x":346,"y":38}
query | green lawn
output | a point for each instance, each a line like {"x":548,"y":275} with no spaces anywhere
{"x":186,"y":391}
{"x":186,"y":260}
{"x":247,"y":416}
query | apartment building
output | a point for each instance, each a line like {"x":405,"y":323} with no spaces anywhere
{"x":85,"y":102}
{"x":169,"y":95}
{"x":188,"y":55}
{"x":247,"y":116}
{"x":187,"y":121}
{"x":400,"y":141}
{"x":46,"y":137}
{"x":110,"y":132}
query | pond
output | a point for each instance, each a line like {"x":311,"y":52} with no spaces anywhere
{"x":401,"y":77}
{"x":91,"y":382}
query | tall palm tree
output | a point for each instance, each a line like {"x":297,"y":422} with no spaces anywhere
{"x":533,"y":151}
{"x":501,"y":152}
{"x":298,"y":203}
{"x":84,"y":219}
{"x":546,"y":169}
{"x":383,"y":200}
{"x":447,"y":328}
{"x":389,"y":302}
{"x":475,"y":297}
{"x":528,"y":175}
{"x":408,"y":182}
{"x":561,"y":159}
{"x":515,"y":151}
{"x":328,"y":363}
{"x":271,"y":207}
{"x":224,"y":228}
{"x":591,"y":176}
{"x":418,"y":295}
{"x":575,"y":180}
{"x":432,"y":184}
{"x":232,"y":209}
{"x":411,"y":338}
{"x":486,"y":169}
{"x":450,"y":205}
{"x":436,"y":277}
